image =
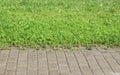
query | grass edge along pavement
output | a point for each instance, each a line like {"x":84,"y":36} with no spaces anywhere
{"x":59,"y":23}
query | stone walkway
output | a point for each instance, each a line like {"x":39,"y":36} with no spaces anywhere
{"x":60,"y":62}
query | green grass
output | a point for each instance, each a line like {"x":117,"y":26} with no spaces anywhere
{"x":59,"y":22}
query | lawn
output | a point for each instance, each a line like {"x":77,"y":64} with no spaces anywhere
{"x":59,"y":22}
